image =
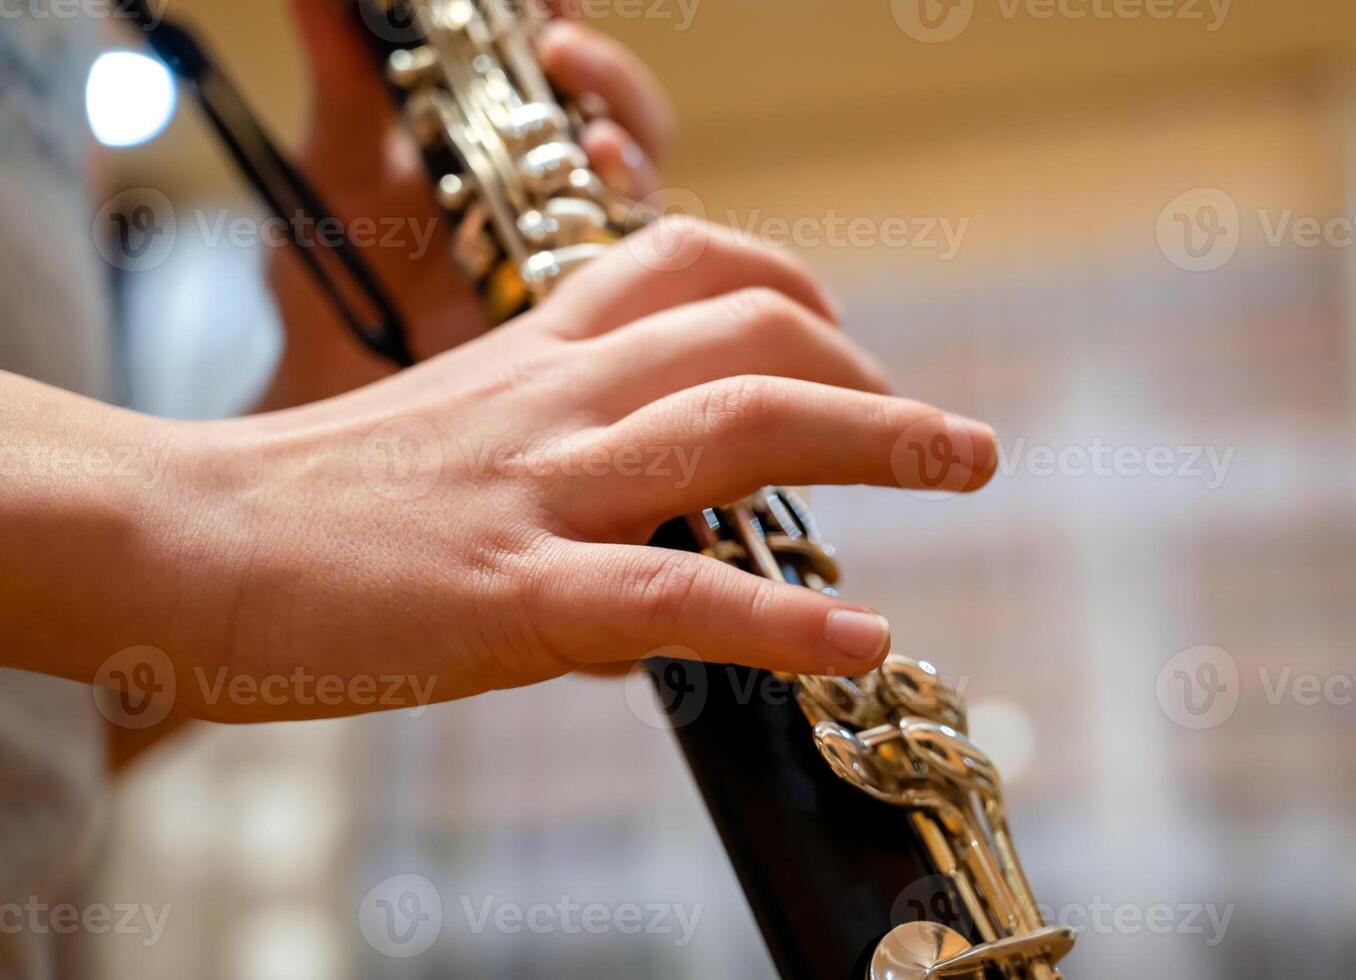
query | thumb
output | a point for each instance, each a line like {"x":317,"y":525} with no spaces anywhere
{"x":625,"y":602}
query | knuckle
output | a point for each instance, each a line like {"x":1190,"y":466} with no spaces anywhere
{"x":768,"y":318}
{"x":736,"y":255}
{"x":734,"y":403}
{"x":736,"y":245}
{"x":761,"y":311}
{"x":509,"y":558}
{"x":681,"y":234}
{"x":673,"y":243}
{"x":763,"y":607}
{"x":730,"y":249}
{"x":663,"y":590}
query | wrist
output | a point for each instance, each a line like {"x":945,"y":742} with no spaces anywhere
{"x":251,"y":601}
{"x":87,"y":514}
{"x":216,"y":557}
{"x":145,"y":566}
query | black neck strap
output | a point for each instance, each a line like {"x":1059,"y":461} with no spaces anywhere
{"x":340,"y":271}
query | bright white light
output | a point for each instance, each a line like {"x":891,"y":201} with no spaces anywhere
{"x":129,"y":98}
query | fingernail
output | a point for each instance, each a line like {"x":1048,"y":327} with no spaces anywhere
{"x":983,"y":447}
{"x":860,"y":637}
{"x":633,"y":176}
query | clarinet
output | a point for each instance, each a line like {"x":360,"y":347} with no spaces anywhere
{"x":867,"y":830}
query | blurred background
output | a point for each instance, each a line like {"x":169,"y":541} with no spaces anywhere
{"x":1119,"y":231}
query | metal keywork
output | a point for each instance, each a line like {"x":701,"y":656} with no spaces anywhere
{"x":899,"y":735}
{"x":525,"y":204}
{"x":923,"y":950}
{"x":507,"y":166}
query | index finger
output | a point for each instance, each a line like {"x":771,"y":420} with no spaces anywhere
{"x":739,"y":434}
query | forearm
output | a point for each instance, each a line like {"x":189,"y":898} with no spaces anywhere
{"x":93,"y":554}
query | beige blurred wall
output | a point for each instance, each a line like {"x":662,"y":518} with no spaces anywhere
{"x":762,"y":86}
{"x":1038,"y":139}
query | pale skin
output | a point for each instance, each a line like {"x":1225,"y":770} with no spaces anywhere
{"x":274,"y":543}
